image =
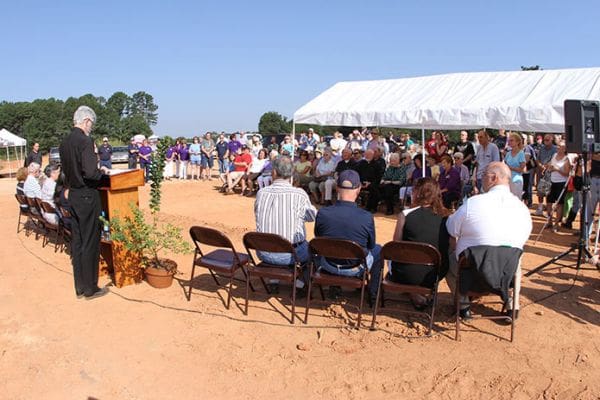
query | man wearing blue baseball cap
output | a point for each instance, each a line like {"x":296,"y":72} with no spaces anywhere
{"x":345,"y":220}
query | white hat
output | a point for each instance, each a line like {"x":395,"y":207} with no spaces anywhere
{"x":105,"y":139}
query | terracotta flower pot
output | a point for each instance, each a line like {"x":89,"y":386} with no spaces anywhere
{"x":160,"y":277}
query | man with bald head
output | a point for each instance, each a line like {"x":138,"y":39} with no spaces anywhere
{"x":494,"y":218}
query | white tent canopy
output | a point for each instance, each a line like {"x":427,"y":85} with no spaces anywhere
{"x":520,"y":100}
{"x":8,"y":140}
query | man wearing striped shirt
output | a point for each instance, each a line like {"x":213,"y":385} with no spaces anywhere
{"x":283,"y":209}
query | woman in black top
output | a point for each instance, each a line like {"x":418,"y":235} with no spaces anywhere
{"x":425,"y":223}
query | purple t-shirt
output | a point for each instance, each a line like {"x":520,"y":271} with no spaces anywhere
{"x":170,"y":151}
{"x":234,"y":146}
{"x":184,"y":153}
{"x":145,"y":150}
{"x":450,"y":180}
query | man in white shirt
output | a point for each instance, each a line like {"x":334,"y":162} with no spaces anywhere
{"x":337,"y":144}
{"x":494,"y":218}
{"x":283,"y":209}
{"x":31,"y":187}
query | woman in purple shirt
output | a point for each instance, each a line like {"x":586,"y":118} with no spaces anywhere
{"x":184,"y":158}
{"x":145,"y":159}
{"x":449,"y":181}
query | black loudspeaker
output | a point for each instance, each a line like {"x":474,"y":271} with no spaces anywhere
{"x":582,"y":126}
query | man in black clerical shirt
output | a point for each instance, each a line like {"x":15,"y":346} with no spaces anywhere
{"x":82,"y":176}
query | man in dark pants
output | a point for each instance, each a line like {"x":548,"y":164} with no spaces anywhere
{"x":82,"y":176}
{"x":105,"y":152}
{"x":132,"y":150}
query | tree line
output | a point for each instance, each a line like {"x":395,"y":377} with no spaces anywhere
{"x":48,"y":121}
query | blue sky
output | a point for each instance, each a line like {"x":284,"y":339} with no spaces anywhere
{"x":220,"y":65}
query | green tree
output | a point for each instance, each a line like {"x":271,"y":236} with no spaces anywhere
{"x":273,"y":123}
{"x":142,"y":104}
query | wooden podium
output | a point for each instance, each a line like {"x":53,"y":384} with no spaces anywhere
{"x":117,"y":192}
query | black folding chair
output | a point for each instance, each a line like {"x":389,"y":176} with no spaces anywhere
{"x":272,"y":243}
{"x":343,"y":250}
{"x":223,"y":261}
{"x":413,"y":253}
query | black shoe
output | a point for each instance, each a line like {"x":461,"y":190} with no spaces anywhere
{"x":334,"y":292}
{"x":301,"y":293}
{"x":273,"y":288}
{"x":98,"y":293}
{"x":509,"y":314}
{"x":465,"y":314}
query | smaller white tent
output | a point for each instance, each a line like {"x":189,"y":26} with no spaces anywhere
{"x":9,"y":140}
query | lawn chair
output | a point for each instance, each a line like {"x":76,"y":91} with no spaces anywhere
{"x":23,"y":212}
{"x":482,"y":289}
{"x":223,"y":261}
{"x":409,"y":253}
{"x":343,"y":250}
{"x":269,"y":242}
{"x":50,"y":227}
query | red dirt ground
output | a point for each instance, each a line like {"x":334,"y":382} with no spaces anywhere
{"x":143,"y":343}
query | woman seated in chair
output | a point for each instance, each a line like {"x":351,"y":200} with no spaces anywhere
{"x":425,"y":223}
{"x":393,"y":179}
{"x":406,"y":191}
{"x":450,"y":184}
{"x":51,"y":173}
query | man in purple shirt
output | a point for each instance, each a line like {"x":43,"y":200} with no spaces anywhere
{"x":234,"y":145}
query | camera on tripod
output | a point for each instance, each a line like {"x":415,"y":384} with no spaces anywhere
{"x":582,"y":126}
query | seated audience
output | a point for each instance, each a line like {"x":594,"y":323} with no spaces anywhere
{"x":21,"y":177}
{"x":51,"y":172}
{"x":449,"y":182}
{"x":265,"y":178}
{"x":323,"y":180}
{"x":406,"y":191}
{"x":31,"y":187}
{"x":283,"y":209}
{"x":370,"y":171}
{"x":255,"y":170}
{"x":345,"y":220}
{"x":393,"y":178}
{"x":478,"y":223}
{"x":425,"y":223}
{"x":302,"y":170}
{"x":241,"y":163}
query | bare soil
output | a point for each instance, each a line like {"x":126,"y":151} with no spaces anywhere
{"x":142,"y":343}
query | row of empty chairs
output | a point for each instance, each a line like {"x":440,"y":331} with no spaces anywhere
{"x":224,"y":260}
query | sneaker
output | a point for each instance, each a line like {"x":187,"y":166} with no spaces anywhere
{"x":539,"y":212}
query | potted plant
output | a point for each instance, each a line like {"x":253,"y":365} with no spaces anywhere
{"x":149,"y":239}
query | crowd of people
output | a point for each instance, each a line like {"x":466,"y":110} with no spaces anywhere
{"x":350,"y":177}
{"x":284,"y":209}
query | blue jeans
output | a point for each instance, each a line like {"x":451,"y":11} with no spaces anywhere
{"x":106,"y":163}
{"x":373,"y":260}
{"x":207,"y":161}
{"x":223,"y":166}
{"x":286,"y":259}
{"x":593,"y":199}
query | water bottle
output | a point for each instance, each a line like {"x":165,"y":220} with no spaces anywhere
{"x":105,"y":228}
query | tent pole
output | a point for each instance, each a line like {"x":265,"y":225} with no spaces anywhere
{"x":294,"y":146}
{"x":424,"y":149}
{"x":9,"y":164}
